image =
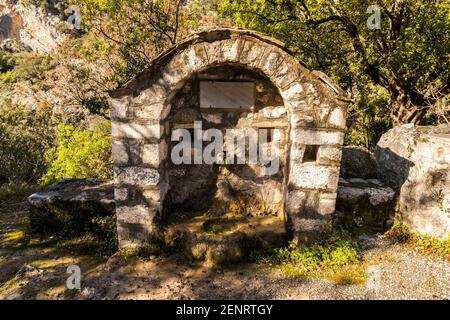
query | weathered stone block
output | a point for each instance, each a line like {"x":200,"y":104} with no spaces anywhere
{"x":322,"y":113}
{"x":196,"y":57}
{"x":415,"y":162}
{"x":251,"y":53}
{"x":69,"y":205}
{"x":152,"y":95}
{"x":156,"y":194}
{"x":119,"y":108}
{"x":137,"y":131}
{"x":327,"y":203}
{"x":137,"y":176}
{"x":135,"y":152}
{"x":299,"y":109}
{"x":297,"y":152}
{"x":120,"y":194}
{"x":312,"y":176}
{"x":214,"y":52}
{"x":285,"y":75}
{"x":294,"y":92}
{"x":120,"y":153}
{"x":154,"y":112}
{"x":329,"y":155}
{"x":139,"y":214}
{"x":296,"y":201}
{"x":154,"y":154}
{"x":316,"y":137}
{"x":365,"y":206}
{"x":273,"y":112}
{"x":173,"y":76}
{"x":309,"y":231}
{"x":135,"y":225}
{"x":231,"y":49}
{"x":270,"y":61}
{"x":337,"y":119}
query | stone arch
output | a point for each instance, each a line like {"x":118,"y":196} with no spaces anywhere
{"x":317,"y":120}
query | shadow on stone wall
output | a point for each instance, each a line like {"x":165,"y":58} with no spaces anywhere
{"x":392,"y":169}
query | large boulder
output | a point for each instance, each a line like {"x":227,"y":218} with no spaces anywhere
{"x":415,"y":162}
{"x":358,"y":162}
{"x":70,"y":205}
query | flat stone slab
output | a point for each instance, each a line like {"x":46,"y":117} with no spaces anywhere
{"x":76,"y":191}
{"x":373,"y":189}
{"x":365,"y":205}
{"x":71,"y":202}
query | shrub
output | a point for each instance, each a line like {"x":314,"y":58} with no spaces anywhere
{"x":25,"y":136}
{"x":80,"y":153}
{"x":106,"y":230}
{"x":7,"y":59}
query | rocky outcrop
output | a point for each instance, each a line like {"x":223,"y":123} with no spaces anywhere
{"x":31,"y":25}
{"x":358,"y":162}
{"x":71,"y":203}
{"x":415,"y":162}
{"x":364,"y":205}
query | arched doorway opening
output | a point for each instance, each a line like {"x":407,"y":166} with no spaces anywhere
{"x":229,"y":195}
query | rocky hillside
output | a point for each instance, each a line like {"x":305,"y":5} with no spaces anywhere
{"x":37,"y":28}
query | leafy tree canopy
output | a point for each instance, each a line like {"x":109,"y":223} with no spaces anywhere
{"x":408,"y":55}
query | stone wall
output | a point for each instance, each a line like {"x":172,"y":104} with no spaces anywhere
{"x":199,"y":186}
{"x":316,"y":114}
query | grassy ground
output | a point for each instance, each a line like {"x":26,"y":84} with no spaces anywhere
{"x":33,"y":267}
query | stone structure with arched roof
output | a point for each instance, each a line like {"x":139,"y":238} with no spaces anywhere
{"x":316,"y":122}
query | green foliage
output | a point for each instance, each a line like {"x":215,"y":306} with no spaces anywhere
{"x":368,"y":118}
{"x":24,"y":66}
{"x":332,"y":254}
{"x":410,"y":64}
{"x":97,"y":104}
{"x":25,"y":136}
{"x":32,"y":67}
{"x":80,"y":153}
{"x":106,"y":230}
{"x":7,"y":59}
{"x":401,"y":234}
{"x":130,"y":32}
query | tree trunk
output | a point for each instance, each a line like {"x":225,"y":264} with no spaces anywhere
{"x":402,"y":111}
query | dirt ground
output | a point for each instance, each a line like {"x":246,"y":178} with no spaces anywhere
{"x":35,"y":268}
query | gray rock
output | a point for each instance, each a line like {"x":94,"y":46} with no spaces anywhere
{"x":358,"y":162}
{"x":415,"y":162}
{"x":395,"y":150}
{"x":71,"y":202}
{"x":364,"y":205}
{"x":30,"y":24}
